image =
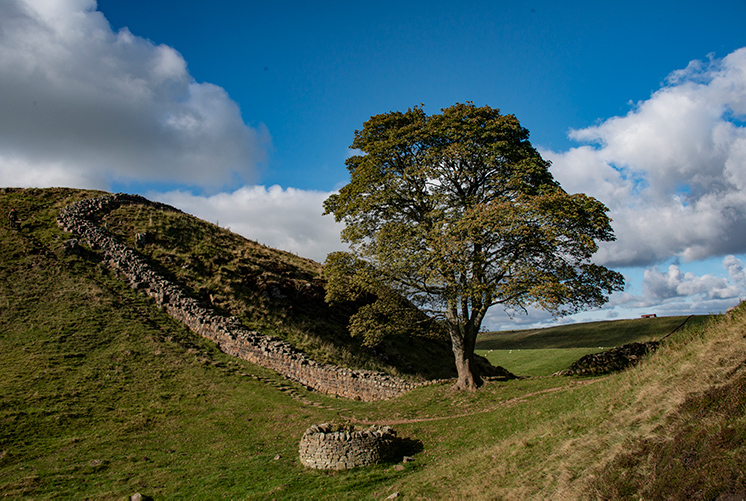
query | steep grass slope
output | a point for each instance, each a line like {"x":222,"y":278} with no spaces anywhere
{"x":698,"y":451}
{"x":103,"y":395}
{"x":671,"y":428}
{"x":274,"y":292}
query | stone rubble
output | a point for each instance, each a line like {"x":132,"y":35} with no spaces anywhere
{"x":613,"y":360}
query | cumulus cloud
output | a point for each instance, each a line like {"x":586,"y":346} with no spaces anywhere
{"x":735,"y":270}
{"x":673,"y":170}
{"x":672,"y":291}
{"x":287,"y":219}
{"x":498,"y":319}
{"x":676,"y":284}
{"x":676,"y":292}
{"x":83,"y":105}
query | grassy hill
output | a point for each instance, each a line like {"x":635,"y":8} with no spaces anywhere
{"x":274,"y":292}
{"x":606,"y":334}
{"x":103,"y":395}
{"x":542,"y":352}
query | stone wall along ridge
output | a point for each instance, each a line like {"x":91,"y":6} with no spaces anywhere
{"x":230,"y":336}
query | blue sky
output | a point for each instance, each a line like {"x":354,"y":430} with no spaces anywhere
{"x":313,"y":72}
{"x":242,"y":113}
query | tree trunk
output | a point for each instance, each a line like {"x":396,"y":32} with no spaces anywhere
{"x":462,"y":344}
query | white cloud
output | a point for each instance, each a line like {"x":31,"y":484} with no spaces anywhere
{"x":82,"y":105}
{"x":672,"y":291}
{"x":676,"y":284}
{"x":677,"y":292}
{"x":673,"y":170}
{"x":287,"y":219}
{"x":498,"y":319}
{"x":734,"y":266}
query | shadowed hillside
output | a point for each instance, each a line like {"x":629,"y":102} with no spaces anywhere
{"x":270,"y":291}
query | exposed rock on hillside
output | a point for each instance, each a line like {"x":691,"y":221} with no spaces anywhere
{"x":613,"y":360}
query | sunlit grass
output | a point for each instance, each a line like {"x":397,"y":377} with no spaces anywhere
{"x":566,"y":438}
{"x":607,"y":334}
{"x":536,"y":363}
{"x":274,"y":292}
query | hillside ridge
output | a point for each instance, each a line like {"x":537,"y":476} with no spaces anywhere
{"x":227,"y":332}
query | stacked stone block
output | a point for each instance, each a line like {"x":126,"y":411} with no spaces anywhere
{"x":328,"y":447}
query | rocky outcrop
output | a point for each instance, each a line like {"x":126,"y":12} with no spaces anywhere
{"x":329,"y":447}
{"x":613,"y":360}
{"x":231,"y":337}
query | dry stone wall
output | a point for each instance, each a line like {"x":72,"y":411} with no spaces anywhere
{"x":231,"y":337}
{"x":325,"y":448}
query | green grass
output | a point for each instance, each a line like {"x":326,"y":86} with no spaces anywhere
{"x":535,"y":363}
{"x":543,"y":352}
{"x":274,"y":292}
{"x":607,"y":334}
{"x":577,"y":439}
{"x":103,"y":395}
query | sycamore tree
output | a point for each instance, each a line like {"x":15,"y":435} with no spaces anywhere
{"x":456,"y":213}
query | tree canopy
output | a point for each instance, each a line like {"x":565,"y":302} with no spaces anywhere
{"x":457,"y":212}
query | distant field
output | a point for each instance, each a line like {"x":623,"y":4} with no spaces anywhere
{"x":542,"y":352}
{"x":605,"y":334}
{"x":535,"y":363}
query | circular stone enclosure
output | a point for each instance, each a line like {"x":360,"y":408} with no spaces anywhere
{"x":340,"y":447}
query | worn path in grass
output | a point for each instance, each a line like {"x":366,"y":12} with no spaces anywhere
{"x":501,"y":405}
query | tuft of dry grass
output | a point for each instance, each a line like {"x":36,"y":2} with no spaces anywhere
{"x":645,"y":405}
{"x":696,"y":447}
{"x":568,"y":443}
